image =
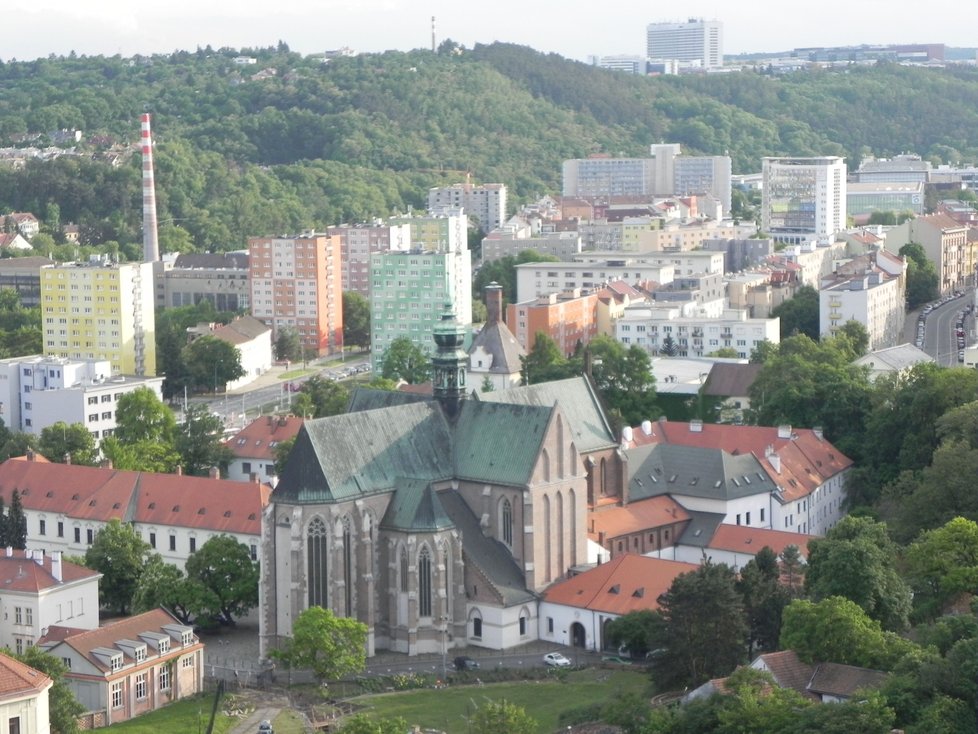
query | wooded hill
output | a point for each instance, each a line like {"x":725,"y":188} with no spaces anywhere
{"x":314,"y":144}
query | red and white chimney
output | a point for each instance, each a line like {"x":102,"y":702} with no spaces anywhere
{"x":151,"y":244}
{"x":56,"y":565}
{"x":494,"y":303}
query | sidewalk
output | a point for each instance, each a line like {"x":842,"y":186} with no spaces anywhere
{"x":273,"y":376}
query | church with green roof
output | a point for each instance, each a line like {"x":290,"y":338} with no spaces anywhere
{"x":436,"y":521}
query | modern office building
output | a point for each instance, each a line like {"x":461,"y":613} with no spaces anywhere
{"x":100,"y":310}
{"x":486,"y":203}
{"x":296,"y":282}
{"x":803,"y":198}
{"x":696,"y":42}
{"x":409,"y":292}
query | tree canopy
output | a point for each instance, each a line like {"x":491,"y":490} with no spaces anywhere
{"x":330,"y":646}
{"x":404,"y":360}
{"x":119,"y":554}
{"x":227,"y":576}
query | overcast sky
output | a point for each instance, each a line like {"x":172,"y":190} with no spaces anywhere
{"x":571,"y":28}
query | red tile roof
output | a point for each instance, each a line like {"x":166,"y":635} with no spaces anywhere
{"x":103,"y":494}
{"x":787,"y":669}
{"x":20,"y":573}
{"x":628,"y":583}
{"x":636,"y":517}
{"x":85,"y":641}
{"x":807,"y":461}
{"x":18,"y":679}
{"x":743,"y":539}
{"x":258,"y":439}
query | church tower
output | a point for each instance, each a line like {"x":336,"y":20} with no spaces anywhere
{"x":448,"y":363}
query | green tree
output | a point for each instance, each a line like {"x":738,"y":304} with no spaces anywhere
{"x":493,"y":717}
{"x":837,"y":630}
{"x":544,"y":362}
{"x":74,"y":441}
{"x":212,"y":363}
{"x":356,"y":320}
{"x":404,"y":360}
{"x":13,"y":523}
{"x":17,"y":444}
{"x":856,"y":560}
{"x":635,"y":631}
{"x":764,"y":600}
{"x":288,"y":346}
{"x":624,"y":378}
{"x":162,"y":584}
{"x":199,"y":442}
{"x":141,"y":416}
{"x":503,"y":272}
{"x":854,"y":337}
{"x":942,"y":564}
{"x":702,"y":630}
{"x":144,"y":455}
{"x":224,"y":570}
{"x":799,"y":314}
{"x":922,"y":280}
{"x":669,"y":347}
{"x":725,"y":353}
{"x":792,"y":568}
{"x":120,"y":555}
{"x":332,"y":647}
{"x":282,"y":452}
{"x":326,"y":397}
{"x":63,"y":708}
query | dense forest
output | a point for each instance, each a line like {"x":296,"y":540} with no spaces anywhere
{"x":291,"y":142}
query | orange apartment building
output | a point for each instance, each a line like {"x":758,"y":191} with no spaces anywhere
{"x":568,"y":318}
{"x":296,"y":282}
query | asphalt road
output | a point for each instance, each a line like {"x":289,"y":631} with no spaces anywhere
{"x":939,"y":339}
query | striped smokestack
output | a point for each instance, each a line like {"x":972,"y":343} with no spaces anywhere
{"x":151,"y":244}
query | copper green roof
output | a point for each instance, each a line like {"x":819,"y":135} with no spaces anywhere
{"x":578,"y":403}
{"x":367,"y":398}
{"x":415,"y":507}
{"x":499,"y":442}
{"x":344,"y":457}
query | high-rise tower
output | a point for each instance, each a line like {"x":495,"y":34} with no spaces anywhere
{"x":151,"y":244}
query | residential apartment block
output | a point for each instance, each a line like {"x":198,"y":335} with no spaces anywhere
{"x":693,"y":334}
{"x":570,"y":318}
{"x":507,"y":241}
{"x":296,"y":282}
{"x":37,"y":392}
{"x":605,"y":176}
{"x":409,"y":292}
{"x":485,"y":203}
{"x":359,"y":241}
{"x":803,"y":198}
{"x":100,"y":310}
{"x":441,"y":230}
{"x":946,"y":243}
{"x":871,"y":289}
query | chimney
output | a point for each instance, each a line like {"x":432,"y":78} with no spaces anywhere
{"x":270,"y":419}
{"x":494,"y":303}
{"x":627,"y":435}
{"x":30,"y":454}
{"x":39,"y":557}
{"x":179,"y":471}
{"x":214,"y":473}
{"x":10,"y":551}
{"x":784,"y":431}
{"x":151,"y":244}
{"x":254,"y":478}
{"x":817,"y":430}
{"x":775,"y":462}
{"x":67,"y":458}
{"x":647,"y":427}
{"x":696,"y":426}
{"x":56,"y":565}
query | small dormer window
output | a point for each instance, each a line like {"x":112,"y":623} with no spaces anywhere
{"x":164,"y":647}
{"x":188,"y":638}
{"x":139,"y":655}
{"x":116,"y":663}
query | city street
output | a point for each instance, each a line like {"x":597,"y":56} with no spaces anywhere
{"x":939,"y":339}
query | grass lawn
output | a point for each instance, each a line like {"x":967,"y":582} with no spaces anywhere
{"x":188,"y":716}
{"x":543,"y":700}
{"x":288,"y":722}
{"x":298,"y":373}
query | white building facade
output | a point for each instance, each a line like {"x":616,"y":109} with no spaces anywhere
{"x":803,"y":198}
{"x":696,"y":42}
{"x":486,"y":203}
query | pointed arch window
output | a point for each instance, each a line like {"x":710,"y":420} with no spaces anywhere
{"x":424,"y":583}
{"x":317,"y":555}
{"x":348,"y":567}
{"x":507,"y":522}
{"x":404,"y":570}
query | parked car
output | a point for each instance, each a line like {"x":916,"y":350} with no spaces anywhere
{"x":265,"y":727}
{"x":556,"y":660}
{"x":464,"y":662}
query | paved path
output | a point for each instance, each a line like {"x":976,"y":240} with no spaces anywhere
{"x":250,"y":725}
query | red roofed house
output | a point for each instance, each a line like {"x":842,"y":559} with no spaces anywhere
{"x":735,"y":545}
{"x":254,"y":447}
{"x":575,"y":611}
{"x":23,"y":698}
{"x":66,"y":505}
{"x":129,"y":667}
{"x":808,"y":472}
{"x":638,"y":527}
{"x":38,"y":591}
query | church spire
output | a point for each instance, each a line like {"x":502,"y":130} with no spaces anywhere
{"x":448,"y":363}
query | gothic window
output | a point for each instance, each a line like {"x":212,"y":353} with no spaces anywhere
{"x":477,"y":626}
{"x":404,"y":571}
{"x":424,"y":583}
{"x":317,"y":551}
{"x":507,"y":523}
{"x":348,"y":567}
